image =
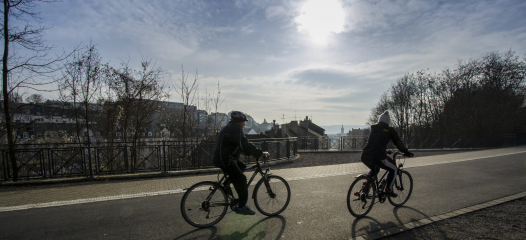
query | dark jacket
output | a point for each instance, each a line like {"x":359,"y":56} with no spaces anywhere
{"x":229,"y":139}
{"x":376,"y":146}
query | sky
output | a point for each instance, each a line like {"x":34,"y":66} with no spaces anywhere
{"x":328,"y":59}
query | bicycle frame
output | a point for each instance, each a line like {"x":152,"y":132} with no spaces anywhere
{"x":223,"y":182}
{"x":384,"y":176}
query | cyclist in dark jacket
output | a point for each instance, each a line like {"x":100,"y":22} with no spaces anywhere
{"x":229,"y":144}
{"x":374,"y":154}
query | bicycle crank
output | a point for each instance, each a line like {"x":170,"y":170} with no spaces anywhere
{"x":381,"y":198}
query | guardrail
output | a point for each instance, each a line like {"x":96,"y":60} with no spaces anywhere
{"x":60,"y":160}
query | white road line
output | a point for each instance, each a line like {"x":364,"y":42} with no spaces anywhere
{"x":148,"y":194}
{"x":88,"y":200}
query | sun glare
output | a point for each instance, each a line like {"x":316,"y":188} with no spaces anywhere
{"x":321,"y":18}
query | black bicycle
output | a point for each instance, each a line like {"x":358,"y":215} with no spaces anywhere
{"x":206,"y":203}
{"x":364,"y":190}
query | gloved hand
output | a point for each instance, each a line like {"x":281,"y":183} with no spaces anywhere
{"x":409,"y":154}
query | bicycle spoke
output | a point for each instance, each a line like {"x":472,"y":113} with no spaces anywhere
{"x":359,"y":199}
{"x":272,"y":197}
{"x":403,"y":187}
{"x":204,"y":204}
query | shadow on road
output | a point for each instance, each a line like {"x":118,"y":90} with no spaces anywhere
{"x":201,"y":233}
{"x":414,"y":217}
{"x":236,"y":227}
{"x":368,"y":225}
{"x":410,"y":211}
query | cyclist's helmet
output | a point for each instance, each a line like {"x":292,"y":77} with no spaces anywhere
{"x":237,"y":116}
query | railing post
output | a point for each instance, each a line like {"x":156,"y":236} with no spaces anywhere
{"x":164,"y":155}
{"x":43,"y":163}
{"x":288,"y":148}
{"x":49,"y":162}
{"x":295,"y":151}
{"x":89,"y":161}
{"x":4,"y":166}
{"x":194,"y":155}
{"x":278,"y":150}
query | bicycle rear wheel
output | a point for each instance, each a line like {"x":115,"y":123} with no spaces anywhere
{"x":204,"y":204}
{"x":361,"y":196}
{"x":273,"y":196}
{"x":403,"y":186}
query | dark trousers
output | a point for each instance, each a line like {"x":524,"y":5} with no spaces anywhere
{"x":387,"y":164}
{"x":239,"y":180}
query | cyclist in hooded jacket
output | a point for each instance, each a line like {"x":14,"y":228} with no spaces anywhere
{"x":229,"y":144}
{"x":374,"y":154}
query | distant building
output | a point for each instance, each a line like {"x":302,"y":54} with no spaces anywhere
{"x":249,"y":131}
{"x":358,"y":133}
{"x":305,"y":128}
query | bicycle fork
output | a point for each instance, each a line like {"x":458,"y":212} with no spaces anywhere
{"x":399,"y":186}
{"x":267,"y":185}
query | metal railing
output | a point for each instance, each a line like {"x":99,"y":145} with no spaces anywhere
{"x":420,"y":142}
{"x":60,"y":160}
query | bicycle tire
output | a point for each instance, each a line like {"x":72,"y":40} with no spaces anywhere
{"x":358,"y":199}
{"x":272,"y":205}
{"x":196,"y":209}
{"x":403,"y":186}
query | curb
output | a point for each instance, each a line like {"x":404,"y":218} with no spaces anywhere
{"x":132,"y":176}
{"x":426,"y":221}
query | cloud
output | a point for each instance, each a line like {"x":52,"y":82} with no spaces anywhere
{"x":275,"y":12}
{"x":274,"y":58}
{"x":247,"y":29}
{"x":324,"y":78}
{"x":266,"y":67}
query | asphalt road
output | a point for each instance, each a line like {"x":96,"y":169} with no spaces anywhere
{"x":317,"y":209}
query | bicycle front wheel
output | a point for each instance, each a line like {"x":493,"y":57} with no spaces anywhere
{"x":204,"y":204}
{"x":361,"y":195}
{"x":273,"y":196}
{"x":403,"y":186}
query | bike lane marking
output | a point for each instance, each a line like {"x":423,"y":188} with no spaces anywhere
{"x":360,"y":169}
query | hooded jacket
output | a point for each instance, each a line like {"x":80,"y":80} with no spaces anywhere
{"x":230,"y":143}
{"x":376,"y":146}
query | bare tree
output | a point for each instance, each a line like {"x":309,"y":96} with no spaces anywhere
{"x":137,"y":94}
{"x":187,"y":90}
{"x":25,"y":60}
{"x":213,"y":102}
{"x":401,"y":95}
{"x":381,"y":106}
{"x":35,"y":98}
{"x":489,"y":96}
{"x":484,"y":96}
{"x":80,"y":84}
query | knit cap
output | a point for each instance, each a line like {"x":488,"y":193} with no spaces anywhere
{"x":385,"y":117}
